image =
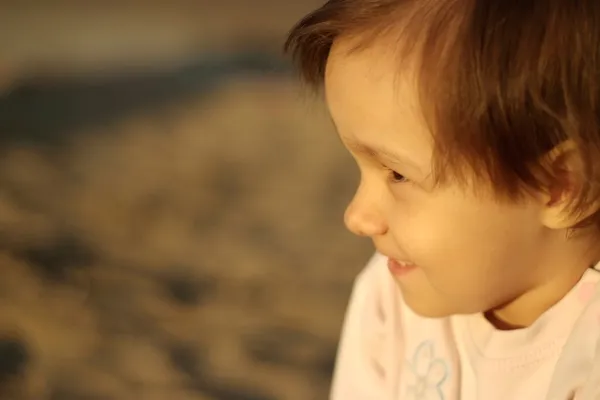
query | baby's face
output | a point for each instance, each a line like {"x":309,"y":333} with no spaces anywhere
{"x":472,"y":253}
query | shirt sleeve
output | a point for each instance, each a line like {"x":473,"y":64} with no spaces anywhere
{"x":360,"y":370}
{"x":577,"y":373}
{"x":590,"y":333}
{"x":591,"y":388}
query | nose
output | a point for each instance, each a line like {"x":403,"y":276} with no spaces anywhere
{"x":363,"y":216}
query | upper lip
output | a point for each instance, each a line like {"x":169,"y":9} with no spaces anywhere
{"x":386,"y":254}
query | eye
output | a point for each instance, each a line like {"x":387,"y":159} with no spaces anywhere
{"x":396,"y":177}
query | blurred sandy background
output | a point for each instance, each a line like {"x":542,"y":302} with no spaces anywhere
{"x":170,"y":205}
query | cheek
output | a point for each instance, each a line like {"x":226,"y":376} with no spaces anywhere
{"x":425,"y":232}
{"x":462,"y":249}
{"x":450,"y":225}
{"x":430,"y":242}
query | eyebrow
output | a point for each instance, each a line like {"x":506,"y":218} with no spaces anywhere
{"x":374,"y":152}
{"x":381,"y":153}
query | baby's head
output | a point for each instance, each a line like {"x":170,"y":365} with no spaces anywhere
{"x":476,"y":128}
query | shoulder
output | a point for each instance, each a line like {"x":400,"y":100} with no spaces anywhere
{"x":376,"y":292}
{"x":374,"y":276}
{"x":368,"y":335}
{"x":379,"y":332}
{"x":578,"y":368}
{"x":586,"y":339}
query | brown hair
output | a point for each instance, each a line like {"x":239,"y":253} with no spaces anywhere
{"x":509,"y":79}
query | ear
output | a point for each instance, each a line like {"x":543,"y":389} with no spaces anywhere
{"x":565,"y":180}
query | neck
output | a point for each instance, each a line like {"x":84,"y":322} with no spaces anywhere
{"x":559,"y":272}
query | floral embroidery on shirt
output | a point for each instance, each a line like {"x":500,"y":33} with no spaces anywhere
{"x":428,"y":374}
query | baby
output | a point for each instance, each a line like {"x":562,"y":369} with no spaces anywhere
{"x":476,"y":128}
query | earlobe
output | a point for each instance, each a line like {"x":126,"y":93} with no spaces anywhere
{"x":564,"y":185}
{"x":563,"y":215}
{"x":558,"y":219}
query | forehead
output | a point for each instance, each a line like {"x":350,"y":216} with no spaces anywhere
{"x":374,"y":101}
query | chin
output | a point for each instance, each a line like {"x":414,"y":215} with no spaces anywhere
{"x":427,"y":308}
{"x":431,"y":306}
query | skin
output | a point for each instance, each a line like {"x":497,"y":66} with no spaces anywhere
{"x":474,"y":253}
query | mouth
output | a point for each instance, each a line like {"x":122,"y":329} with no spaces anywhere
{"x":400,"y":268}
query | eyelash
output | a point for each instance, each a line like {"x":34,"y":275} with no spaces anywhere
{"x":395,"y":177}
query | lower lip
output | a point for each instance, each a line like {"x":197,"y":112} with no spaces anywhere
{"x":398,"y":269}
